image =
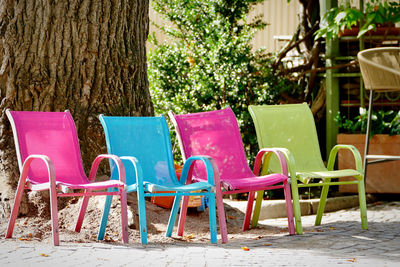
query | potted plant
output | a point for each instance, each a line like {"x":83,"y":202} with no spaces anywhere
{"x":377,"y":18}
{"x":385,"y":140}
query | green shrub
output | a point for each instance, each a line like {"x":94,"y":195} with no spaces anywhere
{"x":382,"y":122}
{"x":208,"y":63}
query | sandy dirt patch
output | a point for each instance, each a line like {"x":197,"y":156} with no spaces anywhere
{"x":38,"y":229}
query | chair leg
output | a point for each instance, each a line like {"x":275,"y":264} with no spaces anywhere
{"x":322,"y":202}
{"x":124,"y":217}
{"x":363,"y":205}
{"x":172,"y":216}
{"x":54,"y":214}
{"x":212,"y":217}
{"x":82,"y":212}
{"x":249,"y":210}
{"x":289,"y":208}
{"x":182,"y":215}
{"x":104,"y":217}
{"x":296,"y":206}
{"x":366,"y":147}
{"x":15,"y":209}
{"x":221,"y":213}
{"x":142,"y":215}
{"x":257,"y":209}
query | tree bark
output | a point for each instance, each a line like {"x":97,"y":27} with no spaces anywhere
{"x":87,"y":56}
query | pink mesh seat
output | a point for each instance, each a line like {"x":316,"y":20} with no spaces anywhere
{"x":216,"y":134}
{"x":49,"y":159}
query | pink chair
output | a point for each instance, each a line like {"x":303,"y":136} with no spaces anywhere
{"x":49,"y":159}
{"x":216,"y":134}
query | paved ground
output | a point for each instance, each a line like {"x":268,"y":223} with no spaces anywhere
{"x":339,"y":240}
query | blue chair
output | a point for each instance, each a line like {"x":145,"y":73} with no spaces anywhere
{"x":143,"y":144}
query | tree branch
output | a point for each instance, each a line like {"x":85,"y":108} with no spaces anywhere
{"x":290,"y":47}
{"x":303,"y":67}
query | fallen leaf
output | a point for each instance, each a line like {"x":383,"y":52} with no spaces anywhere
{"x":267,"y":244}
{"x":24,"y":239}
{"x":331,"y":228}
{"x":189,"y":237}
{"x":30,"y":235}
{"x":43,"y":255}
{"x":231,"y":217}
{"x":352,"y":260}
{"x":317,"y":230}
{"x":245,"y":248}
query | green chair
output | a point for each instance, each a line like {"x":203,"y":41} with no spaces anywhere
{"x":292,"y":128}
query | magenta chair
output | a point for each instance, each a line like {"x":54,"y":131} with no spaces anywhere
{"x":216,"y":134}
{"x":49,"y":159}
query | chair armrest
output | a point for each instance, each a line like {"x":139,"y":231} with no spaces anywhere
{"x":286,"y":160}
{"x":138,"y":169}
{"x":117,"y":161}
{"x":46,"y":160}
{"x":211,"y":168}
{"x":354,"y":151}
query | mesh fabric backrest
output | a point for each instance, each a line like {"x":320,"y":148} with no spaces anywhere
{"x":292,"y":127}
{"x":215,"y":134}
{"x":52,"y":134}
{"x":147,"y":139}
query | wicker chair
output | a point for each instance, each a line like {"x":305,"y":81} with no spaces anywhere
{"x":380,"y":69}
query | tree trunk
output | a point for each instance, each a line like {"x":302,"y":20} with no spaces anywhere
{"x":88,"y":56}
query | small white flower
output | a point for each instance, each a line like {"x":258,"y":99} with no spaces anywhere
{"x":363,"y":111}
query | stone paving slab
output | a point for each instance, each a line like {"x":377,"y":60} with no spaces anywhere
{"x":277,"y":208}
{"x":339,"y":240}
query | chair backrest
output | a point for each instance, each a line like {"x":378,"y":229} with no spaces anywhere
{"x":289,"y":126}
{"x":380,"y":68}
{"x":52,"y":134}
{"x":145,"y":138}
{"x":215,"y":134}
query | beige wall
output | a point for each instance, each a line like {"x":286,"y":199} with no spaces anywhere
{"x":282,"y":17}
{"x":155,"y":18}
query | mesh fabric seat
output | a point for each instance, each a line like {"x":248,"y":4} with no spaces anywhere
{"x":216,"y":134}
{"x":49,"y":159}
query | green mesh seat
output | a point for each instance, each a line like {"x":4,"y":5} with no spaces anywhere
{"x":292,"y":128}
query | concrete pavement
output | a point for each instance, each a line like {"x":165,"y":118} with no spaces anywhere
{"x":339,"y":240}
{"x":277,"y":208}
